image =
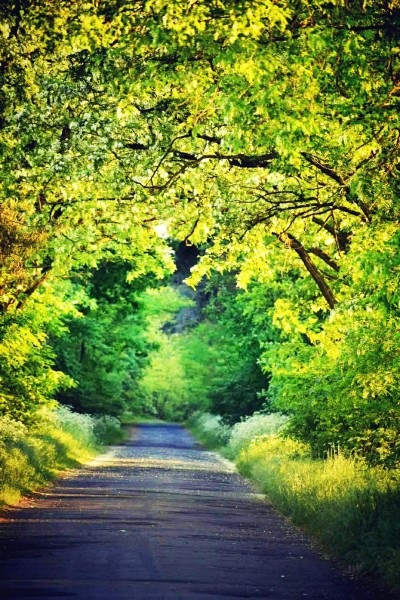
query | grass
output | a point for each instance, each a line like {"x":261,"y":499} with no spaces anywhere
{"x":26,"y":464}
{"x":32,"y":457}
{"x":351,"y":509}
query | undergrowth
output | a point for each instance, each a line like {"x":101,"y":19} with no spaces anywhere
{"x":209,"y":429}
{"x":58,"y":440}
{"x":353,"y":510}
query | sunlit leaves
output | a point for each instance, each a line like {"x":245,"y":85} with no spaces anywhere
{"x":265,"y":132}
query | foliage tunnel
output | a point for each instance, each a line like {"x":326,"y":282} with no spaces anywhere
{"x":265,"y":133}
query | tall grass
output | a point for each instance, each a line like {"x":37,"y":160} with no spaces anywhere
{"x":61,"y":439}
{"x":353,"y":510}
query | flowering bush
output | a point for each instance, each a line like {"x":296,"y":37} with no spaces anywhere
{"x":10,"y":430}
{"x":55,"y":440}
{"x":211,"y":429}
{"x":80,"y":426}
{"x":247,"y":430}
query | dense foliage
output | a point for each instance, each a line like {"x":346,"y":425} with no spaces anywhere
{"x":104,"y":350}
{"x":266,"y":132}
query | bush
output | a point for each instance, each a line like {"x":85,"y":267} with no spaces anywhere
{"x":80,"y":426}
{"x":11,"y":431}
{"x":56,"y":440}
{"x":210,"y":429}
{"x":107,"y":430}
{"x":249,"y":429}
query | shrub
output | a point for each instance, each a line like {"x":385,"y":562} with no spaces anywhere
{"x":210,"y":429}
{"x":32,"y":456}
{"x":107,"y":430}
{"x":11,"y":431}
{"x":80,"y":426}
{"x":249,"y":429}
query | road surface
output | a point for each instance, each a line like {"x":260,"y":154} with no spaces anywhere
{"x":159,"y":518}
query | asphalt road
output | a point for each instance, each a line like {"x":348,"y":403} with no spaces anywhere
{"x":159,"y":518}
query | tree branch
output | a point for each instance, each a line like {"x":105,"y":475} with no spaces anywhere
{"x":325,"y":257}
{"x":244,"y":161}
{"x":329,"y":172}
{"x":32,"y":288}
{"x":342,"y":238}
{"x":316,"y":162}
{"x":291,"y":242}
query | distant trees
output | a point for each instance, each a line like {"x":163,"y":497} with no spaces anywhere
{"x":105,"y":349}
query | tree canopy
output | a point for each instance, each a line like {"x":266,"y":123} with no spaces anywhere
{"x":265,"y":132}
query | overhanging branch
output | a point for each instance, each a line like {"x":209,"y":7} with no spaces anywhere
{"x":291,"y":242}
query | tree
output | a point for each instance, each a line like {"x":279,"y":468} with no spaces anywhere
{"x":267,"y":132}
{"x":164,"y":389}
{"x":121,"y":125}
{"x":104,"y":350}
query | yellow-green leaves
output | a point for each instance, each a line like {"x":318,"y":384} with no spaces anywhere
{"x":264,"y":132}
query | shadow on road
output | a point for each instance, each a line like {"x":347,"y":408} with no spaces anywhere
{"x":160,"y":518}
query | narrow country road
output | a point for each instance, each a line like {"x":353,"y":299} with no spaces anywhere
{"x":159,"y":518}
